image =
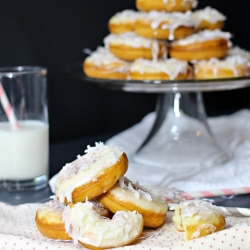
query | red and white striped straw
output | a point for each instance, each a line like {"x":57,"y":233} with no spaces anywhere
{"x":7,"y":108}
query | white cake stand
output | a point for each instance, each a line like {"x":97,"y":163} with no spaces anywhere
{"x":180,"y":135}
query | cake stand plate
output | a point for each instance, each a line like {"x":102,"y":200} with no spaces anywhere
{"x":180,"y":135}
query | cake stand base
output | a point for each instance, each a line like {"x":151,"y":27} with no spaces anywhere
{"x":181,"y":136}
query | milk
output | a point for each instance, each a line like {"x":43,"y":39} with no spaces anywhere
{"x":24,"y":153}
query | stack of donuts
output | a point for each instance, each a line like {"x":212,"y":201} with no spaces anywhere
{"x":96,"y":206}
{"x":167,"y":40}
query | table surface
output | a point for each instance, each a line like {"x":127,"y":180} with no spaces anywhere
{"x":66,"y":152}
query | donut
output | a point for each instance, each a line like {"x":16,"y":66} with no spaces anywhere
{"x":237,"y":51}
{"x":129,"y":46}
{"x":123,"y":21}
{"x":166,"y":5}
{"x":203,"y":45}
{"x":49,"y":219}
{"x":208,"y":18}
{"x":92,"y":174}
{"x":130,"y":196}
{"x":232,"y":66}
{"x":162,"y":25}
{"x":102,"y":64}
{"x":91,"y":230}
{"x":198,"y":218}
{"x":170,"y":69}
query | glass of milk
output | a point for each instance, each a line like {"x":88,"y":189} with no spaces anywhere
{"x":24,"y":152}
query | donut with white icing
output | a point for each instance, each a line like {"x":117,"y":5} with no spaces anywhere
{"x":198,"y":218}
{"x":208,"y":18}
{"x":203,"y":45}
{"x":49,"y":219}
{"x":162,"y":25}
{"x":130,"y":196}
{"x":91,"y":230}
{"x":92,"y":174}
{"x":102,"y":64}
{"x":129,"y":46}
{"x":237,"y":51}
{"x":166,"y":5}
{"x":123,"y":21}
{"x":169,"y":69}
{"x":230,"y":67}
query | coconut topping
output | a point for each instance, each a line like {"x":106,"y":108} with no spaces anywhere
{"x":164,"y":21}
{"x":126,"y":16}
{"x":53,"y":205}
{"x":171,"y":67}
{"x":198,"y":208}
{"x":85,"y":169}
{"x":102,"y":57}
{"x":208,"y":14}
{"x":205,"y":35}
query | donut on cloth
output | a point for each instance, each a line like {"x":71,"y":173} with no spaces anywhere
{"x":123,"y":21}
{"x":166,"y":5}
{"x":130,"y":196}
{"x":203,"y":45}
{"x":198,"y":218}
{"x":208,"y":18}
{"x":162,"y":25}
{"x":49,"y":218}
{"x":91,"y":174}
{"x":102,"y":64}
{"x":129,"y":46}
{"x":169,"y":69}
{"x":232,"y":66}
{"x":91,"y":230}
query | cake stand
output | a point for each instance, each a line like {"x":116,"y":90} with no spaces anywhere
{"x":180,"y":135}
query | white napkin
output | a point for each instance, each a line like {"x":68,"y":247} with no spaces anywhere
{"x":232,"y":130}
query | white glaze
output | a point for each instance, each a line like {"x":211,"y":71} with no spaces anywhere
{"x":171,"y":67}
{"x":184,"y":2}
{"x":237,"y":51}
{"x":125,"y":16}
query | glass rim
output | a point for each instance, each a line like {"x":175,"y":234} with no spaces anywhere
{"x":22,"y":70}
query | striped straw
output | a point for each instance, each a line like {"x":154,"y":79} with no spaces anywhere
{"x":7,"y":108}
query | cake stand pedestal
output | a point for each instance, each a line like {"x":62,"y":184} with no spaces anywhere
{"x":180,"y":135}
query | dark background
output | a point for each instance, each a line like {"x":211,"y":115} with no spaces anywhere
{"x":53,"y":33}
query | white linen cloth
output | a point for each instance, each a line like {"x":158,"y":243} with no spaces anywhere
{"x":232,"y":130}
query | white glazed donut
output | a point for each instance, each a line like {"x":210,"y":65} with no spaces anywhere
{"x":130,"y":196}
{"x":198,"y":218}
{"x":91,"y":174}
{"x":87,"y":227}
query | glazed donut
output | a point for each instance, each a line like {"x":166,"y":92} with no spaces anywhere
{"x":123,"y":21}
{"x":170,"y":69}
{"x":204,"y":45}
{"x":232,"y":66}
{"x":129,"y":46}
{"x":237,"y":51}
{"x":102,"y":64}
{"x":130,"y":196}
{"x":198,"y":218}
{"x":166,"y":5}
{"x":91,"y":174}
{"x":49,"y":219}
{"x":91,"y":230}
{"x":208,"y":18}
{"x":162,"y":25}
